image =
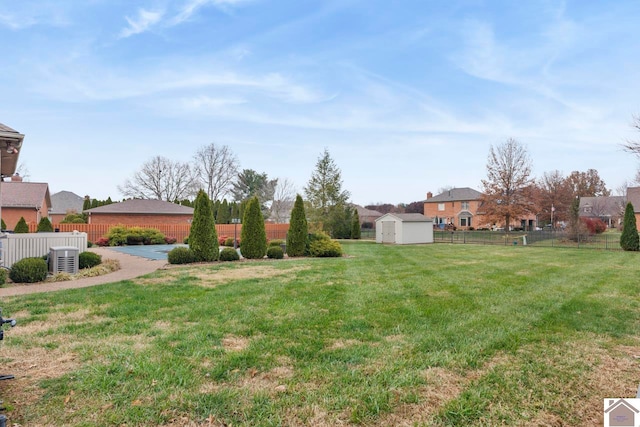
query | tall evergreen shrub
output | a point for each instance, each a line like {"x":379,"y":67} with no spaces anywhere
{"x":298,"y":229}
{"x":3,"y":225}
{"x":45,"y":225}
{"x":355,"y":225}
{"x":203,"y":238}
{"x":629,"y":240}
{"x":253,"y":235}
{"x":21,"y":226}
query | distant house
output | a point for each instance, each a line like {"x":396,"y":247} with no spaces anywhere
{"x":458,"y":206}
{"x":608,"y":209}
{"x":367,"y":215}
{"x":30,"y":200}
{"x":64,"y":203}
{"x":404,"y":229}
{"x":140,"y":211}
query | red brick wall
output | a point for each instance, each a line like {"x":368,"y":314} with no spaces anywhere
{"x":134,"y":219}
{"x":11,"y":216}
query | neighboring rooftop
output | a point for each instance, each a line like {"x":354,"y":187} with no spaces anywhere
{"x":455,"y":195}
{"x":602,"y":206}
{"x":143,"y":206}
{"x":633,"y":197}
{"x":64,"y":202}
{"x":24,"y":194}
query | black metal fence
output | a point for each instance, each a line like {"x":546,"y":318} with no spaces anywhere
{"x":560,"y":239}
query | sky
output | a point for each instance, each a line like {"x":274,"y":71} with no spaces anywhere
{"x":407,"y":96}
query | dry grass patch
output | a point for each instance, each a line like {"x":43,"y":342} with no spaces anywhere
{"x":235,"y":343}
{"x":208,"y":277}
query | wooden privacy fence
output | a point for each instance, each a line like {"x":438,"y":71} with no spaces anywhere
{"x":179,"y":231}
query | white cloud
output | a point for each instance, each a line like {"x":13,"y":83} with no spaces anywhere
{"x":145,"y":20}
{"x":192,"y":6}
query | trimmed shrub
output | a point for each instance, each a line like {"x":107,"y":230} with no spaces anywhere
{"x":3,"y":276}
{"x":629,"y":240}
{"x":229,"y":254}
{"x":103,"y":241}
{"x":89,"y":259}
{"x":181,"y":255}
{"x":355,"y":225}
{"x":298,"y":230}
{"x":275,"y":252}
{"x":45,"y":225}
{"x":117,"y":235}
{"x":276,"y":242}
{"x":74,"y":218}
{"x":253,"y":234}
{"x":144,"y":236}
{"x":29,"y":270}
{"x":3,"y":225}
{"x":594,"y":225}
{"x":203,"y":238}
{"x":186,"y":240}
{"x":325,"y":248}
{"x":170,"y":240}
{"x":21,"y":226}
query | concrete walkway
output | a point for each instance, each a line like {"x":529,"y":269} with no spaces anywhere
{"x":130,"y":267}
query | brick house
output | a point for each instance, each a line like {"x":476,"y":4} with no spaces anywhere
{"x":458,"y":206}
{"x":30,"y":200}
{"x":140,"y":211}
{"x":63,"y":203}
{"x":633,"y":197}
{"x":609,"y":209}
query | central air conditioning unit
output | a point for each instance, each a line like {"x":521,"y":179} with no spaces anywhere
{"x":63,"y":259}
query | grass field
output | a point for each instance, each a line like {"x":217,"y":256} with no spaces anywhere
{"x":420,"y":335}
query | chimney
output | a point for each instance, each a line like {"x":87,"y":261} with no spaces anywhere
{"x":429,"y":195}
{"x":16,"y":178}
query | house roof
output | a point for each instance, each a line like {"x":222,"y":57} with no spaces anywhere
{"x":143,"y":206}
{"x":602,"y":206}
{"x":364,"y":212}
{"x":64,"y":202}
{"x":407,"y":217}
{"x":455,"y":194}
{"x":24,"y":194}
{"x":633,"y":196}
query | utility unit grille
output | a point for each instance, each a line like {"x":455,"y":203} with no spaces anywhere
{"x":63,"y":259}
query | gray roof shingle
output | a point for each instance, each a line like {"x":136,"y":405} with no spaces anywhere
{"x":408,"y":217}
{"x":455,"y":195}
{"x":633,"y":196}
{"x":143,"y":206}
{"x":5,"y":128}
{"x":64,"y":202}
{"x":24,"y":194}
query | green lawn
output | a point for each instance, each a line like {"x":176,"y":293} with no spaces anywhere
{"x":420,"y":335}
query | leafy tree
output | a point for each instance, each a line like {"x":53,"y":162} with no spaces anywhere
{"x":86,"y":204}
{"x":215,"y":169}
{"x":45,"y":225}
{"x":250,"y":183}
{"x":203,"y":238}
{"x":629,"y":240}
{"x":415,"y":207}
{"x":298,"y":229}
{"x":253,"y":235}
{"x":553,"y":197}
{"x":508,"y":189}
{"x":355,"y":225}
{"x":21,"y":226}
{"x":326,"y":197}
{"x":162,"y":179}
{"x":339,"y":222}
{"x":587,"y":184}
{"x":224,"y":213}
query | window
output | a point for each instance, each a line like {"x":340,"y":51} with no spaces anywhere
{"x":440,"y":206}
{"x":465,"y":206}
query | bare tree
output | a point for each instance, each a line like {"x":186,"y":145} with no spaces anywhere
{"x":215,"y":168}
{"x":508,"y":188}
{"x":630,"y":145}
{"x":283,"y":197}
{"x":554,"y":196}
{"x":161,"y":178}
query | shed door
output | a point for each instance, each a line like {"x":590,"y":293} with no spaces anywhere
{"x":388,"y":232}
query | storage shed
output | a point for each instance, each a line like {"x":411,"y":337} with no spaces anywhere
{"x":404,"y":229}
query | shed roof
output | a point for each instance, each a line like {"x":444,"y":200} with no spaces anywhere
{"x":24,"y":194}
{"x":143,"y":206}
{"x":406,"y":217}
{"x":456,"y":194}
{"x":63,"y":202}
